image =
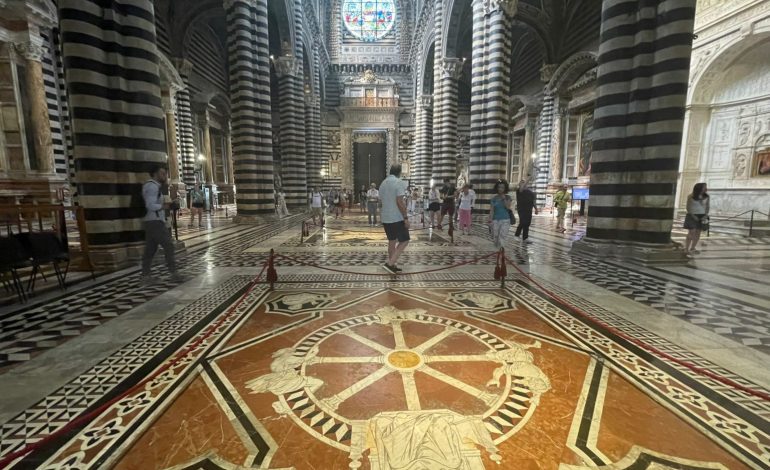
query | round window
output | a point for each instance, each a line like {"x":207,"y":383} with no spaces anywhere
{"x":369,"y":20}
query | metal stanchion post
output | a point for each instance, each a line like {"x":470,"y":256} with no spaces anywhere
{"x":176,"y":225}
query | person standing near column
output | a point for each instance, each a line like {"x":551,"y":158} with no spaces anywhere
{"x":449,"y":194}
{"x":561,"y":200}
{"x":362,"y":197}
{"x":155,"y":230}
{"x":198,"y":203}
{"x":316,"y":205}
{"x":434,"y":204}
{"x":467,"y":198}
{"x":499,"y":218}
{"x":394,"y":217}
{"x":372,"y":203}
{"x":697,"y":218}
{"x":525,"y":204}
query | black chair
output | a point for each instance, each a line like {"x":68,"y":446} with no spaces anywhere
{"x":14,"y":256}
{"x":45,"y":248}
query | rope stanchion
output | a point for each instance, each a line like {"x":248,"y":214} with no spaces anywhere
{"x":651,"y":349}
{"x":272,"y":275}
{"x":314,"y":265}
{"x":90,"y":416}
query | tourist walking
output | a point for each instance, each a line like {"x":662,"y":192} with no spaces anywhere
{"x":448,"y":195}
{"x":499,"y":217}
{"x":467,"y":198}
{"x":280,"y":204}
{"x":316,"y":205}
{"x":394,"y":217}
{"x":372,"y":204}
{"x":155,"y":230}
{"x":334,"y":202}
{"x":525,"y":204}
{"x":362,"y":198}
{"x":198,"y":203}
{"x":697,"y":218}
{"x":562,"y":201}
{"x":434,"y":204}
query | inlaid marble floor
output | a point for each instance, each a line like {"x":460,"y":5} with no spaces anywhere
{"x":357,"y":369}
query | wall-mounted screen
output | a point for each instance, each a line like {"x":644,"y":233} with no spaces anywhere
{"x":580,"y":194}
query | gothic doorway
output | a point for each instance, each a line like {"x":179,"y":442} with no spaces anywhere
{"x":369,"y":163}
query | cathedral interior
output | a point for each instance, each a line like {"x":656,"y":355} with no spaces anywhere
{"x":627,"y":328}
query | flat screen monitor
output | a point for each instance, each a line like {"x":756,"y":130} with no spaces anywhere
{"x":580,"y":194}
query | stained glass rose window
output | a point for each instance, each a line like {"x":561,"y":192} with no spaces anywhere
{"x":369,"y":20}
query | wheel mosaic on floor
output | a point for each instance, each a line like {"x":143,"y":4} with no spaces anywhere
{"x":445,"y":370}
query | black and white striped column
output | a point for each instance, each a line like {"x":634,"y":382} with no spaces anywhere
{"x":449,"y":71}
{"x":644,"y":62}
{"x":313,"y":114}
{"x":117,"y":118}
{"x":489,"y":95}
{"x":292,"y":131}
{"x":543,"y":163}
{"x":184,"y":115}
{"x":423,"y":155}
{"x":252,"y":129}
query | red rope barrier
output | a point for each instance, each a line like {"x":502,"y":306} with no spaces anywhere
{"x":313,"y":265}
{"x":8,"y":459}
{"x":698,"y":370}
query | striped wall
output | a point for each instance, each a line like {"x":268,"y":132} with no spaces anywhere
{"x":644,"y":60}
{"x":185,"y":130}
{"x":210,"y":62}
{"x":490,"y":90}
{"x":422,"y":162}
{"x":291,"y":97}
{"x":53,"y":100}
{"x":544,"y":147}
{"x":329,"y":150}
{"x":116,"y":112}
{"x":66,"y":123}
{"x":477,"y":91}
{"x":313,"y":122}
{"x":252,"y":131}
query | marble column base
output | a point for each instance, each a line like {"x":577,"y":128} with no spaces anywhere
{"x":111,"y":259}
{"x":646,"y":253}
{"x":255,"y":219}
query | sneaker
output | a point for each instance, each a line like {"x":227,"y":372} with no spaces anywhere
{"x":397,"y":269}
{"x":695,"y":252}
{"x":517,"y":235}
{"x":389,"y":268}
{"x":527,"y":242}
{"x":147,"y":280}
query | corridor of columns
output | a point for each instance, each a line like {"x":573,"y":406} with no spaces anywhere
{"x":281,"y":335}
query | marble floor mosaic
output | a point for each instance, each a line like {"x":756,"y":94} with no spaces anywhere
{"x":361,"y":370}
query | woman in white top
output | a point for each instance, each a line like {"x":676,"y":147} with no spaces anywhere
{"x":372,"y":203}
{"x":696,"y":219}
{"x":467,"y":198}
{"x":434,"y":203}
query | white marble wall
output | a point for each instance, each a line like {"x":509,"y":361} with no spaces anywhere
{"x":728,"y":117}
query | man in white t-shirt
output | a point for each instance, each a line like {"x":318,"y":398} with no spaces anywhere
{"x":316,"y":204}
{"x":394,"y":217}
{"x":372,"y":204}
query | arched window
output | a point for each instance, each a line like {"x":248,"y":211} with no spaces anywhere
{"x":369,"y":20}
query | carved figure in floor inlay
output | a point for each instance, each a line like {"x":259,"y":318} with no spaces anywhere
{"x":519,"y":362}
{"x":427,"y":439}
{"x":388,"y":314}
{"x":484,"y":300}
{"x":295,"y":302}
{"x":285,"y":377}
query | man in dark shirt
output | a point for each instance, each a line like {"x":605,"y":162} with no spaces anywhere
{"x":448,"y":196}
{"x":525,"y":204}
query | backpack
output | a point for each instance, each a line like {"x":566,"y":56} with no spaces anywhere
{"x":137,"y":208}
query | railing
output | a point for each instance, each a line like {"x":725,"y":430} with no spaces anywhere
{"x":750,"y":219}
{"x":369,"y":102}
{"x":68,"y":222}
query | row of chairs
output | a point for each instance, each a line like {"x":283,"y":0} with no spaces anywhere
{"x":32,"y":250}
